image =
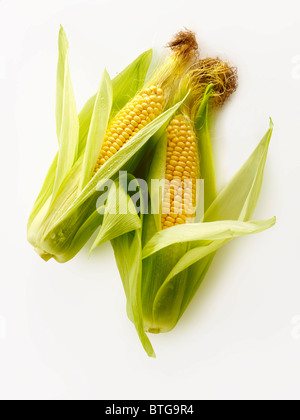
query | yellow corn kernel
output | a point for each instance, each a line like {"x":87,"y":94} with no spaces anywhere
{"x":139,"y":112}
{"x":182,"y":164}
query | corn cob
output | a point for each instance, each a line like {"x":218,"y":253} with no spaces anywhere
{"x":182,"y":166}
{"x":139,"y":112}
{"x":152,"y":100}
{"x":182,"y":160}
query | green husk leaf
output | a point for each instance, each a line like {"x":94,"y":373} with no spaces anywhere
{"x":84,"y":233}
{"x":45,"y":192}
{"x":131,"y":272}
{"x":125,"y":245}
{"x":125,"y":86}
{"x":62,"y":68}
{"x":125,"y":267}
{"x":207,"y":166}
{"x":98,"y":126}
{"x":117,"y":221}
{"x":66,"y":115}
{"x":52,"y":209}
{"x":170,"y":298}
{"x":196,"y":254}
{"x":196,"y":274}
{"x":155,"y":270}
{"x":210,"y":231}
{"x":238,"y":199}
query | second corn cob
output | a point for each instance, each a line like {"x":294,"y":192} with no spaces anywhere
{"x":183,"y":160}
{"x":182,"y":171}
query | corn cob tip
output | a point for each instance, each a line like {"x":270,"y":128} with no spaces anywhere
{"x":184,"y":43}
{"x":217,"y":72}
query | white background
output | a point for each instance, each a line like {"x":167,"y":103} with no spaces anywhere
{"x":64,"y":333}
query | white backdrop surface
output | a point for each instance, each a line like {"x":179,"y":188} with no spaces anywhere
{"x":64,"y":333}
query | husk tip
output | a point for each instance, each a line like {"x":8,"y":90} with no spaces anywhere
{"x":44,"y":255}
